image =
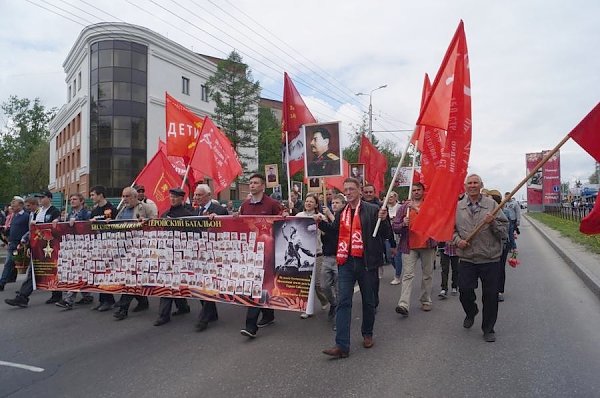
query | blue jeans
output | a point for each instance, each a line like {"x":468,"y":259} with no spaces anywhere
{"x":9,"y":265}
{"x":350,"y":272}
{"x":396,"y":260}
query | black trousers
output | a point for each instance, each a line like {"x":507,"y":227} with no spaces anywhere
{"x":468,"y":274}
{"x":126,"y":300}
{"x":446,"y":262}
{"x":106,"y":298}
{"x":252,"y":317}
{"x":164,"y":308}
{"x":502,"y":267}
{"x":208,"y":313}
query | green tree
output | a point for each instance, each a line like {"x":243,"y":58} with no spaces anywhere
{"x":24,"y":150}
{"x":269,"y":138}
{"x":236,"y":96}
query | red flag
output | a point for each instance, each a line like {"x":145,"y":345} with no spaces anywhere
{"x":587,"y":133}
{"x":338,"y":182}
{"x":158,"y":176}
{"x":436,"y":110}
{"x":591,"y":223}
{"x":430,"y":143}
{"x":183,"y":128}
{"x":438,"y":211}
{"x":180,"y":167}
{"x":375,"y":164}
{"x":215,"y":157}
{"x":295,"y":114}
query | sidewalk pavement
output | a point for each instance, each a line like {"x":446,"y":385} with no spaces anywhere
{"x":585,"y":263}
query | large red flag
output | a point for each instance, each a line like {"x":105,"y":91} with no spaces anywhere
{"x":338,"y":182}
{"x":437,"y":214}
{"x":295,"y":114}
{"x":430,"y":143}
{"x":375,"y":164}
{"x":215,"y":157}
{"x":436,"y":111}
{"x":158,"y":176}
{"x":587,"y":135}
{"x":183,"y":128}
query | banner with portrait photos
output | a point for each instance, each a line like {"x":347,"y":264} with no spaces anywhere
{"x":252,"y":261}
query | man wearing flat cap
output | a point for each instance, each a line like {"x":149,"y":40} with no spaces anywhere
{"x":176,"y":210}
{"x":143,"y":198}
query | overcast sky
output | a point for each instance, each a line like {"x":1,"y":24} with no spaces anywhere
{"x":535,"y":71}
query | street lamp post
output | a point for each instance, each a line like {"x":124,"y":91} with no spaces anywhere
{"x":371,"y":109}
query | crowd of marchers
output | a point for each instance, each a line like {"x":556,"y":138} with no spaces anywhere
{"x":348,"y":251}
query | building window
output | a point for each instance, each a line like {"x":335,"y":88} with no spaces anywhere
{"x":69,"y":94}
{"x":185,"y":85}
{"x":204,"y":91}
{"x":79,"y":82}
{"x":118,"y":112}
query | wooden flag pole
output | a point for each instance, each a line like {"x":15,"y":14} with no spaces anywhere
{"x":523,"y":182}
{"x":389,"y":192}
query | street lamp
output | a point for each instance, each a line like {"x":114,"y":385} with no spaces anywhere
{"x":371,"y":109}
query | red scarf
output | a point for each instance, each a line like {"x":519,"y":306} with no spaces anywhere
{"x":349,"y":229}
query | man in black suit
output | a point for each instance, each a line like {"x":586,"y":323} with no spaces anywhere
{"x":206,"y":207}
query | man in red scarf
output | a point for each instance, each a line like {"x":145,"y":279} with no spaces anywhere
{"x":359,"y":256}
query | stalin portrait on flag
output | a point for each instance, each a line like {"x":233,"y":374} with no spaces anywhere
{"x":323,"y":154}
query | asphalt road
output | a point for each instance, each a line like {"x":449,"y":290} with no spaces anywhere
{"x":548,"y":345}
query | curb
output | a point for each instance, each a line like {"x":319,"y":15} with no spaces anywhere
{"x":589,"y":280}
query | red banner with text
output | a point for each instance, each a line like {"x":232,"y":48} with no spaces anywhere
{"x":252,"y":261}
{"x":551,"y":180}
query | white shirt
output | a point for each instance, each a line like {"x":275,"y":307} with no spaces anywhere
{"x":41,"y":215}
{"x":393,"y":209}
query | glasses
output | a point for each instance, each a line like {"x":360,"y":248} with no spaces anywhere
{"x":125,"y":196}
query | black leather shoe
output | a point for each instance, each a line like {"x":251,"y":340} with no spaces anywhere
{"x":181,"y":311}
{"x":489,"y":337}
{"x":201,"y":326}
{"x":17,"y":302}
{"x":468,"y":322}
{"x":1,"y":287}
{"x":120,"y":315}
{"x":161,"y":321}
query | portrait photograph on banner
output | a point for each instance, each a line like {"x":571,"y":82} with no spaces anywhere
{"x":314,"y":185}
{"x":297,"y":187}
{"x":323,"y":157}
{"x":357,"y":170}
{"x":272,"y":175}
{"x":403,"y":179}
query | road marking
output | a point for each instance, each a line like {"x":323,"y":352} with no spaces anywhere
{"x":21,"y":366}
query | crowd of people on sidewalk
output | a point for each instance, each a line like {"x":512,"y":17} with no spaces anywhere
{"x":348,"y":251}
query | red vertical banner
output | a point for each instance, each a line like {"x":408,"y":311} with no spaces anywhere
{"x":551,"y":180}
{"x":535,"y":183}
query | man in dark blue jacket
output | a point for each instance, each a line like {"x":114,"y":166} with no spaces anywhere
{"x":18,"y":227}
{"x":359,"y":256}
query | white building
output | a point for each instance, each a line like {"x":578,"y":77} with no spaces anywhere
{"x":117,"y":75}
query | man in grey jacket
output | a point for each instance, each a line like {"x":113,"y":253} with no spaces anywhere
{"x":480,"y":255}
